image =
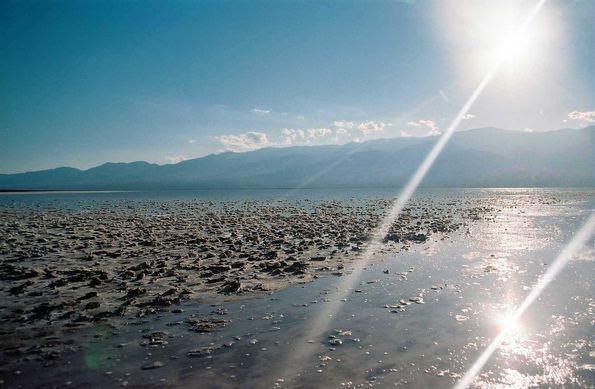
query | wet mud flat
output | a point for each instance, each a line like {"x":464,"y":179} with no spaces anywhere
{"x":158,"y":296}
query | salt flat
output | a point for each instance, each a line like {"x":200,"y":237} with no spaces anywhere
{"x":177,"y":289}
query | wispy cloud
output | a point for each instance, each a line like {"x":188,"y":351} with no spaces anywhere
{"x":175,"y":159}
{"x":261,"y":111}
{"x":243,"y":142}
{"x":424,"y":127}
{"x":587,"y":116}
{"x":192,"y":141}
{"x":344,"y":124}
{"x":468,"y":116}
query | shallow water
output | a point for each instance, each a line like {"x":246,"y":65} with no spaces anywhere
{"x":73,"y":198}
{"x":470,"y":283}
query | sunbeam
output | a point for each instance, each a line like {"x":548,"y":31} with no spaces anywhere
{"x":323,"y":319}
{"x":311,"y":179}
{"x":578,"y":241}
{"x":297,"y":194}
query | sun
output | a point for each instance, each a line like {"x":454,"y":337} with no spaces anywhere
{"x":508,"y":324}
{"x":511,"y":48}
{"x":510,"y":34}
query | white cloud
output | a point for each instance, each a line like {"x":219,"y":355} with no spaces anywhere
{"x":468,"y":116}
{"x":342,"y":131}
{"x":309,"y":135}
{"x":192,"y":141}
{"x":289,"y":136}
{"x":365,"y":128}
{"x":413,"y":124}
{"x":261,"y":111}
{"x":526,"y":129}
{"x":313,"y":133}
{"x":370,"y":127}
{"x":422,"y":127}
{"x":175,"y":159}
{"x":585,"y":116}
{"x":243,"y":142}
{"x":344,"y":124}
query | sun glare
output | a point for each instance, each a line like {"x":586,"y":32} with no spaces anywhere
{"x":508,"y":324}
{"x":512,"y":47}
{"x":489,"y":33}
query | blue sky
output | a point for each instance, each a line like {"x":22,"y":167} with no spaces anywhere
{"x":86,"y":82}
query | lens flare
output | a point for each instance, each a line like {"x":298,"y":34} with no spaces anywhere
{"x":324,"y":318}
{"x":512,"y":47}
{"x":508,"y":324}
{"x":579,"y":240}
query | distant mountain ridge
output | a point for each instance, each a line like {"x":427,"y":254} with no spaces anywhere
{"x":486,"y":157}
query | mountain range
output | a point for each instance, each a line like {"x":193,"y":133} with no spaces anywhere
{"x":485,"y":157}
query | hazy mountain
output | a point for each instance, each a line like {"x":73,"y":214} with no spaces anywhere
{"x":476,"y":158}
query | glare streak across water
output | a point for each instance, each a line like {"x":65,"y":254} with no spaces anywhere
{"x":325,"y":317}
{"x":577,"y":242}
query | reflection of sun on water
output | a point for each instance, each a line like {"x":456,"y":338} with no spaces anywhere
{"x":527,"y":358}
{"x":509,"y":326}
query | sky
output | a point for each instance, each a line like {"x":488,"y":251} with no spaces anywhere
{"x":87,"y":82}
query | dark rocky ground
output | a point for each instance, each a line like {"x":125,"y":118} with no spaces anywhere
{"x":63,"y":270}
